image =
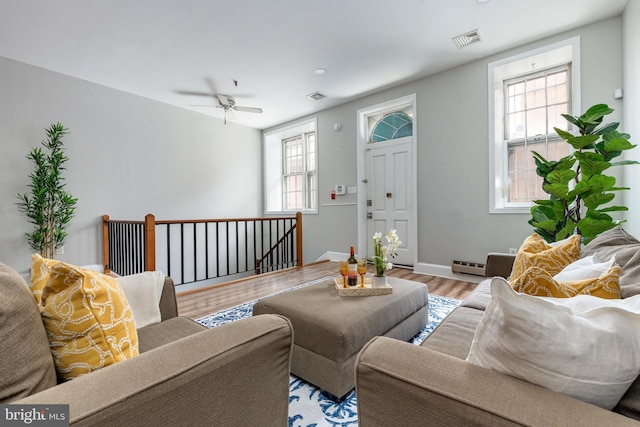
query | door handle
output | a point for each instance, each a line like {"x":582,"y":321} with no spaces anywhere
{"x":369,"y":215}
{"x":389,"y":195}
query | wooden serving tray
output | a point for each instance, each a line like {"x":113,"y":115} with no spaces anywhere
{"x":361,"y":292}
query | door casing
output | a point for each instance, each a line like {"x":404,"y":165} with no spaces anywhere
{"x":365,"y":244}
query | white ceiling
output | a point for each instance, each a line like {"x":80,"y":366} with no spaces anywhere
{"x":157,"y":48}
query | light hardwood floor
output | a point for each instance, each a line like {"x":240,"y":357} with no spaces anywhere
{"x":198,"y":303}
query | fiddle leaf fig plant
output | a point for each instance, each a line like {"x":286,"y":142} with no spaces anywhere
{"x":579,"y":191}
{"x":48,"y":206}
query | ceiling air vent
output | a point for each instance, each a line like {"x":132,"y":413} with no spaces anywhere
{"x":316,"y":96}
{"x":467,"y":39}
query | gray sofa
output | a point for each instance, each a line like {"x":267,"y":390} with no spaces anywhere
{"x":185,"y":375}
{"x":402,"y":384}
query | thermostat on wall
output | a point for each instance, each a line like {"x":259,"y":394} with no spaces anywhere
{"x":341,"y":190}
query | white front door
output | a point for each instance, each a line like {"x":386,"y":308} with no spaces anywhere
{"x":389,"y":184}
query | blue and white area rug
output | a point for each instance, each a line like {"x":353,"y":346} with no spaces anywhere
{"x":308,"y":406}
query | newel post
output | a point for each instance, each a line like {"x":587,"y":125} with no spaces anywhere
{"x":149,"y":243}
{"x":105,"y":244}
{"x":299,"y":238}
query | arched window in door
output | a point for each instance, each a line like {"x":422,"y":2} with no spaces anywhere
{"x":392,"y":126}
{"x":390,"y":123}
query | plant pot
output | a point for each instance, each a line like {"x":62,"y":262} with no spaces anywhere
{"x":378,"y":281}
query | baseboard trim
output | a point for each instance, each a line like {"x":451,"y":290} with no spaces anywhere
{"x":444,"y":271}
{"x":436,"y":270}
{"x":333,"y":256}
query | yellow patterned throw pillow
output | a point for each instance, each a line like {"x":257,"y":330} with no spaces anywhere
{"x":40,"y":268}
{"x":88,"y":320}
{"x":536,"y":281}
{"x":552,"y":258}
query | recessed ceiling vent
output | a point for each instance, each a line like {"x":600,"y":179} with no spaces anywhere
{"x":316,"y":96}
{"x":466,"y":39}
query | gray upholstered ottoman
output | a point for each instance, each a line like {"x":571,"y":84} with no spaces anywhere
{"x":330,"y":330}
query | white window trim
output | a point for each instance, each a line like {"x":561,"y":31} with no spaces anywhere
{"x":502,"y":70}
{"x":272,"y":166}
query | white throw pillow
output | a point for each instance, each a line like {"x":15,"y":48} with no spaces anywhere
{"x":585,"y":268}
{"x":585,"y":347}
{"x":143,"y":291}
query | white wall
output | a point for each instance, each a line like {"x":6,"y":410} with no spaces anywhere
{"x":631,"y":102}
{"x":452,"y":122}
{"x":129,"y":156}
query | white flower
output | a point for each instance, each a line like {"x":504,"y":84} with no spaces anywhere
{"x":381,"y":251}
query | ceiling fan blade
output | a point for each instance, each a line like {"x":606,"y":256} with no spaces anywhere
{"x":192,"y":93}
{"x":203,"y":105}
{"x":248,"y":109}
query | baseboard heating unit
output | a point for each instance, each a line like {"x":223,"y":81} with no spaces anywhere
{"x":466,"y":267}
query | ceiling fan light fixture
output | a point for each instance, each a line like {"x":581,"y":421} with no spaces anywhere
{"x":464,"y":40}
{"x":316,"y":96}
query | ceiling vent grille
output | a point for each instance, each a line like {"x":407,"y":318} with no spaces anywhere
{"x":466,"y":39}
{"x":316,"y":96}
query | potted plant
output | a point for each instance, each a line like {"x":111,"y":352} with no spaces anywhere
{"x":381,"y":253}
{"x":48,"y":206}
{"x":577,"y":187}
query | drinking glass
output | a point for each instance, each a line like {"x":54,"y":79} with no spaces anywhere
{"x":344,"y":269}
{"x":362,"y":269}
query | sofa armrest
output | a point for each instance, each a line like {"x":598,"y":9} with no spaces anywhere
{"x":499,"y":264}
{"x":235,"y":374}
{"x":168,"y":302}
{"x":398,"y":383}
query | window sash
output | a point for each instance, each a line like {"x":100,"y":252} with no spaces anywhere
{"x":534,"y":104}
{"x":299,"y":161}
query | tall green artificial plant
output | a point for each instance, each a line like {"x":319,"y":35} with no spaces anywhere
{"x":48,"y":206}
{"x":577,"y":187}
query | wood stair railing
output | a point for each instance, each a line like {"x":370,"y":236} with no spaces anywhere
{"x":195,"y":250}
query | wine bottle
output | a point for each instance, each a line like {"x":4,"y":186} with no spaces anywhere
{"x":352,"y":275}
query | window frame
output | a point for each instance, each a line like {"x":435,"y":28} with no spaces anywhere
{"x":274,"y":168}
{"x":509,"y":69}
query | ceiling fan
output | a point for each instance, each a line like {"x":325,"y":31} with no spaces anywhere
{"x":226,"y":102}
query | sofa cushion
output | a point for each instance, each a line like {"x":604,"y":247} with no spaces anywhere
{"x":536,"y":281}
{"x":27,"y":366}
{"x":535,"y":252}
{"x":626,"y":248}
{"x":159,"y":334}
{"x":584,"y":347}
{"x":88,"y":320}
{"x":453,"y":336}
{"x":480,"y":297}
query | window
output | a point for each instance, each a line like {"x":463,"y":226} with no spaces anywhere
{"x":533,"y":108}
{"x":392,"y":126}
{"x":291,"y":170}
{"x":529,"y":93}
{"x":299,"y":172}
